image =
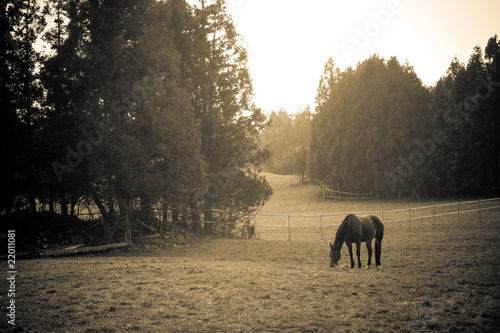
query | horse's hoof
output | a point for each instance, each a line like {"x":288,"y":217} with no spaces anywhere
{"x":367,"y":267}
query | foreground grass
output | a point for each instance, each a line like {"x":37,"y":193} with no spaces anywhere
{"x":429,"y":281}
{"x":443,"y":279}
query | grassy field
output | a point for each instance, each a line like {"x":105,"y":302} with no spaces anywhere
{"x":444,"y":279}
{"x":304,"y":204}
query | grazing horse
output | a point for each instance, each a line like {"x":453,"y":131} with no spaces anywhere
{"x":358,"y":230}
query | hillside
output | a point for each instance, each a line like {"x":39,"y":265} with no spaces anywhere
{"x":292,"y":197}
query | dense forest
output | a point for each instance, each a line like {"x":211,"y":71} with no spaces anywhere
{"x":130,"y":106}
{"x":377,"y":129}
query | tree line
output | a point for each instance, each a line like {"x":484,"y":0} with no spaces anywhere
{"x":378,"y":129}
{"x":132,"y":105}
{"x":287,"y":137}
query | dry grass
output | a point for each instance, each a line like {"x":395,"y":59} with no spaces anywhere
{"x":432,"y":280}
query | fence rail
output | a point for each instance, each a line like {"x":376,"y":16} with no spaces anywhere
{"x":327,"y":193}
{"x":283,"y":224}
{"x":408,"y":215}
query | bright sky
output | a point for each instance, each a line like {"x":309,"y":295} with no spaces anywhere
{"x":289,"y":41}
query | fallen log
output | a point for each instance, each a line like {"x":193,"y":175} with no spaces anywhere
{"x":81,"y":250}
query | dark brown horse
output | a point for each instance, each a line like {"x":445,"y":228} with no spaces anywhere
{"x":358,"y":230}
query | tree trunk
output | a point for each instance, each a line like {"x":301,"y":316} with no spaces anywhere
{"x":64,"y":204}
{"x":101,"y":207}
{"x":32,"y":201}
{"x":74,"y":201}
{"x":196,"y":219}
{"x":51,"y":203}
{"x":208,"y":216}
{"x":111,"y":206}
{"x":175,"y":218}
{"x":146,"y":208}
{"x":127,"y":225}
{"x":166,"y":226}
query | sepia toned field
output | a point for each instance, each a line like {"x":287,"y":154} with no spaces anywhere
{"x":443,"y":279}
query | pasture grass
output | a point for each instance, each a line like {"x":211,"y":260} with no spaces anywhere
{"x":445,"y":279}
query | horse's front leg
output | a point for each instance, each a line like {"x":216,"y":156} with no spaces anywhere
{"x":349,"y":246}
{"x":358,"y":253}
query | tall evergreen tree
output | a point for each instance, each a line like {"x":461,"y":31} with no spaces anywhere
{"x":21,"y":115}
{"x":229,"y":123}
{"x":366,"y":119}
{"x":467,"y":99}
{"x":133,"y":135}
{"x":147,"y":103}
{"x":492,"y":116}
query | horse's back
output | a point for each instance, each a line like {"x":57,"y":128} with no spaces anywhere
{"x":360,"y":228}
{"x":372,"y":227}
{"x":379,"y":225}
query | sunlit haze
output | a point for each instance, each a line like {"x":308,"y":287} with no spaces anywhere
{"x":289,"y":41}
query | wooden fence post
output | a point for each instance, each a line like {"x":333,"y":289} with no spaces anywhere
{"x":434,"y":217}
{"x":409,"y":220}
{"x":321,"y":225}
{"x":479,"y":211}
{"x":289,"y":231}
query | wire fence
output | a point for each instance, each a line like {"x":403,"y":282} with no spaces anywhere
{"x":426,"y":218}
{"x":323,"y":226}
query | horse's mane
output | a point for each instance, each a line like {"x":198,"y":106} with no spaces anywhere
{"x":342,"y":229}
{"x":347,"y":218}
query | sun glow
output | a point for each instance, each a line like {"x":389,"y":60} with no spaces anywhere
{"x":289,"y":41}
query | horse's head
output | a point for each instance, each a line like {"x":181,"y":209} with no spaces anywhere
{"x":334,"y":255}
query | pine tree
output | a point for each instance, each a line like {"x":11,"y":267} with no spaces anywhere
{"x":229,"y":123}
{"x":469,"y":103}
{"x":366,"y":119}
{"x":133,"y":135}
{"x":491,"y":141}
{"x":21,"y":115}
{"x":142,"y":103}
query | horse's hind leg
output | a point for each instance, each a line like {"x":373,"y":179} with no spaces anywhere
{"x":378,"y":252}
{"x":358,"y":253}
{"x":369,"y":249}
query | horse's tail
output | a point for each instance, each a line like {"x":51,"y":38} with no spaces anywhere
{"x":380,"y":227}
